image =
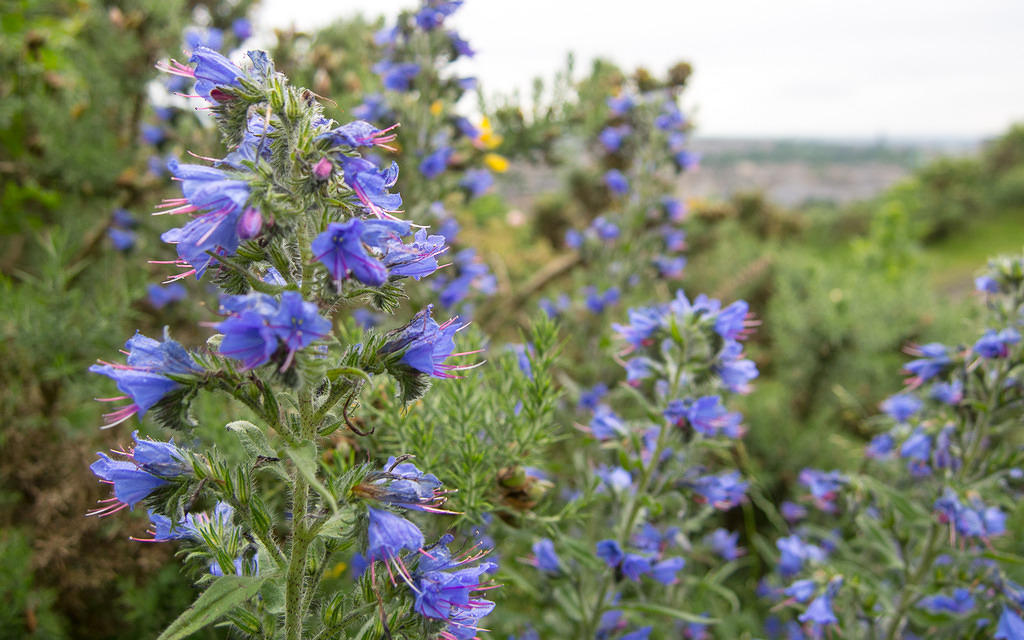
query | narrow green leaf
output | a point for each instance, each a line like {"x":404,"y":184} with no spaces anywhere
{"x":305,"y":461}
{"x":1004,"y":556}
{"x":355,"y":372}
{"x":253,"y":439}
{"x":221,"y":597}
{"x":657,"y":609}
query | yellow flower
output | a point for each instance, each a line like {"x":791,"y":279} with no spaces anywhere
{"x":496,"y":163}
{"x":435,"y":108}
{"x":487,"y":138}
{"x":336,"y":570}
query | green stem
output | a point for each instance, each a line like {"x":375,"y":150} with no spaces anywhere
{"x":906,"y":596}
{"x":295,"y":582}
{"x":627,"y":527}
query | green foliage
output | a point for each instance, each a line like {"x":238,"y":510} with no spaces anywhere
{"x":27,"y":611}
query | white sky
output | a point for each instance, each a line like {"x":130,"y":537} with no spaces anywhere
{"x":813,"y":68}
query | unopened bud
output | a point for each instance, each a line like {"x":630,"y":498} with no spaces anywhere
{"x":250,"y":223}
{"x":322,"y":170}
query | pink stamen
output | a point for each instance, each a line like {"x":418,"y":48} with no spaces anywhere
{"x":176,"y":68}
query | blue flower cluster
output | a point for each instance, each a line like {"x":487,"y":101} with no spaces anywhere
{"x":443,"y":584}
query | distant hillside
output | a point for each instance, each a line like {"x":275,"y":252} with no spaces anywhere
{"x":794,"y":172}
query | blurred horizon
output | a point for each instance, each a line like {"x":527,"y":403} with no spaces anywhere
{"x":905,"y":72}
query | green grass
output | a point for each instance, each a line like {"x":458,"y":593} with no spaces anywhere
{"x":953,"y":261}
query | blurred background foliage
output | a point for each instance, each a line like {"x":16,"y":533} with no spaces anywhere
{"x":839,"y":288}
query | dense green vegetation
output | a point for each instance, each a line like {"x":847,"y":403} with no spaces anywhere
{"x":839,"y":290}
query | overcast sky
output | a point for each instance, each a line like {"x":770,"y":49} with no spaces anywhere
{"x":812,"y":68}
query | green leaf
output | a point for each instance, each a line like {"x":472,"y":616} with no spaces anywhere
{"x":253,"y":439}
{"x":221,"y":597}
{"x":647,"y":607}
{"x":305,"y":461}
{"x":899,"y":501}
{"x":1003,"y":556}
{"x":352,"y":372}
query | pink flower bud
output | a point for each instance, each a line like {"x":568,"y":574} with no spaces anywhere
{"x":250,"y":223}
{"x":322,"y":170}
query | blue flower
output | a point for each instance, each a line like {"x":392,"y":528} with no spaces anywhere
{"x":403,"y":485}
{"x":297,"y":323}
{"x":635,"y":565}
{"x":374,"y":108}
{"x":477,"y":182}
{"x":213,"y":70}
{"x":360,"y":133}
{"x":145,"y":469}
{"x":794,"y":552}
{"x":417,"y":259}
{"x":996,"y":344}
{"x":730,"y":323}
{"x":959,"y":603}
{"x":397,"y":77}
{"x":638,"y":369}
{"x":801,"y":590}
{"x":686,"y":160}
{"x":432,"y":15}
{"x":643,"y":323}
{"x":159,"y":297}
{"x":792,"y":511}
{"x":723,"y":491}
{"x":611,"y":137}
{"x":709,"y":417}
{"x":643,"y":633}
{"x":370,"y":184}
{"x":590,"y":398}
{"x":597,"y":302}
{"x":247,"y":337}
{"x":153,"y":134}
{"x":222,"y":198}
{"x":620,"y":105}
{"x":444,"y":589}
{"x":616,"y":182}
{"x":933,"y":361}
{"x":544,"y":556}
{"x":666,"y":570}
{"x":606,"y":425}
{"x":435,"y":164}
{"x":824,"y":486}
{"x":617,"y":478}
{"x":670,"y":268}
{"x":901,"y":406}
{"x":675,"y":210}
{"x":1010,"y":627}
{"x":670,"y":117}
{"x":389,"y":535}
{"x":242,"y":28}
{"x":819,"y":611}
{"x":724,"y":543}
{"x":122,"y":239}
{"x":675,"y":239}
{"x":573,"y":239}
{"x":986,"y":284}
{"x":144,"y":377}
{"x":342,"y":248}
{"x":425,"y":344}
{"x":734,"y":371}
{"x":948,"y":393}
{"x":652,"y":540}
{"x":880,"y":447}
{"x":610,"y":552}
{"x":209,"y":37}
{"x":461,"y":48}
